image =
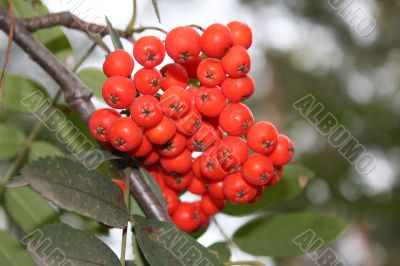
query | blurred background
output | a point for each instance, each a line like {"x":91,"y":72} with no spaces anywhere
{"x":346,"y":53}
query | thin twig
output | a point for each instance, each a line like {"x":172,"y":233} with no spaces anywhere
{"x":127,"y":200}
{"x":9,"y":48}
{"x":131,"y":24}
{"x":196,"y":26}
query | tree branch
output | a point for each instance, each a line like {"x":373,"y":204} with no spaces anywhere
{"x":77,"y":96}
{"x":69,"y":20}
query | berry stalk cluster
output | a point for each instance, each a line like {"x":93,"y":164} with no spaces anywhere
{"x":201,"y":139}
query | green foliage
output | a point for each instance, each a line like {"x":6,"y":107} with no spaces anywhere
{"x":17,"y":88}
{"x":40,"y":149}
{"x":11,"y":251}
{"x":152,"y":183}
{"x":27,"y":208}
{"x":77,"y":247}
{"x":156,"y":9}
{"x":93,"y":78}
{"x":71,"y":186}
{"x":295,"y":178}
{"x":274,"y":235}
{"x":221,"y":249}
{"x":162,"y":244}
{"x":11,"y":139}
{"x":114,"y":36}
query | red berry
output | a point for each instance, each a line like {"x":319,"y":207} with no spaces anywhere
{"x":119,"y":92}
{"x":211,"y":167}
{"x":171,"y":199}
{"x":258,"y":170}
{"x":216,"y":40}
{"x":118,"y":63}
{"x":187,"y":217}
{"x":236,"y":62}
{"x":178,"y":182}
{"x":146,"y":111}
{"x":175,"y":102}
{"x":241,"y":33}
{"x":101,"y":121}
{"x":144,"y":148}
{"x":190,"y":123}
{"x":149,"y":51}
{"x":236,"y":119}
{"x":198,"y":186}
{"x":183,"y":44}
{"x":203,"y":138}
{"x":283,"y":152}
{"x":191,"y":66}
{"x":232,"y":152}
{"x":211,"y":206}
{"x":210,"y":101}
{"x":277,"y":176}
{"x":174,"y":75}
{"x":238,"y":89}
{"x":162,"y":132}
{"x":148,"y":80}
{"x":262,"y":137}
{"x":173,"y":147}
{"x":179,"y":164}
{"x":124,"y":134}
{"x":216,"y":190}
{"x":237,"y":190}
{"x":210,"y":72}
{"x":151,"y":158}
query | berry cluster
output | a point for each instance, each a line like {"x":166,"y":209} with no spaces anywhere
{"x":195,"y":138}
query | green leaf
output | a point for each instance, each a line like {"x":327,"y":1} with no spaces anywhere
{"x":140,"y":260}
{"x":17,"y":88}
{"x":114,"y":36}
{"x":73,"y":187}
{"x":11,"y":141}
{"x":152,"y":183}
{"x":40,"y":149}
{"x":17,"y":181}
{"x":93,"y":78}
{"x":156,"y":9}
{"x":53,"y":38}
{"x":221,"y":249}
{"x":295,"y":178}
{"x":73,"y":247}
{"x":288,"y":234}
{"x":164,"y":244}
{"x":27,"y":208}
{"x":11,"y":252}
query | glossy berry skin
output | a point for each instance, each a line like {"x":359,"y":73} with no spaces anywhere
{"x":124,"y":135}
{"x":211,"y":206}
{"x":278,"y":175}
{"x":171,"y":199}
{"x":173,"y":147}
{"x":241,"y":34}
{"x":144,"y":148}
{"x":232,"y":152}
{"x":151,"y":158}
{"x":203,"y":138}
{"x":118,"y":63}
{"x":175,"y":102}
{"x":238,"y":89}
{"x":149,"y":51}
{"x":120,"y":184}
{"x":198,"y":186}
{"x":174,"y":75}
{"x":283,"y":152}
{"x":178,"y":164}
{"x":101,"y":121}
{"x":146,"y":112}
{"x":216,"y":40}
{"x":236,"y":62}
{"x":178,"y":182}
{"x":162,"y":132}
{"x":190,"y":123}
{"x":211,"y":167}
{"x":186,"y":217}
{"x":118,"y":92}
{"x":183,"y":44}
{"x":216,"y":190}
{"x":210,"y":72}
{"x":148,"y":81}
{"x":258,"y":170}
{"x":262,"y":137}
{"x":236,"y":119}
{"x":237,"y":190}
{"x":210,"y":101}
{"x":191,"y":66}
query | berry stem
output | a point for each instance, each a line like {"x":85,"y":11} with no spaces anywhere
{"x":129,"y":27}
